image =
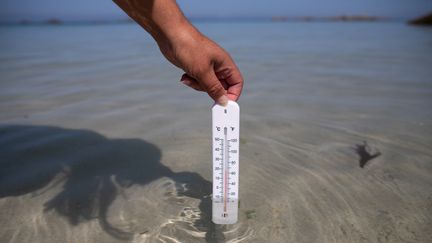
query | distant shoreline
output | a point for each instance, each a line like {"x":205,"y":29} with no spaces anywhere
{"x":339,"y":18}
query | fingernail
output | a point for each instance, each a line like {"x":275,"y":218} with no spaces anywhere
{"x":223,"y":100}
{"x":185,"y":82}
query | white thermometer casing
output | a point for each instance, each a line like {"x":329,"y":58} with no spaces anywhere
{"x":225,"y":151}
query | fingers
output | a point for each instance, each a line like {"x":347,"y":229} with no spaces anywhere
{"x":233,"y":79}
{"x":221,"y":87}
{"x":191,"y":82}
{"x":222,"y":82}
{"x":208,"y":83}
{"x":211,"y":84}
{"x":194,"y":84}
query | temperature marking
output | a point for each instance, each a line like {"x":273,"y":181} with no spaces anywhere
{"x":225,"y":121}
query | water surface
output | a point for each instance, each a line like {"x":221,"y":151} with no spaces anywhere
{"x":100,"y":142}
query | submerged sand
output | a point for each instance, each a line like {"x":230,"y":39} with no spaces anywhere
{"x":109,"y":147}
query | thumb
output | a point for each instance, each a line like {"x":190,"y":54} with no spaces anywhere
{"x":211,"y":84}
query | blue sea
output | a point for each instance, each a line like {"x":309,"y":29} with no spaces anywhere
{"x":100,"y":142}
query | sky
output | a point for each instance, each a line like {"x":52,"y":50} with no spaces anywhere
{"x":15,"y":10}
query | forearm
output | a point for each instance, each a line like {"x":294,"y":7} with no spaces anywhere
{"x":206,"y":65}
{"x":163,"y":19}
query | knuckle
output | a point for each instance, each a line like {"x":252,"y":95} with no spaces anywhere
{"x":224,"y":73}
{"x":214,"y":88}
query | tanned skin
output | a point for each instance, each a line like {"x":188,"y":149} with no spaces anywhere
{"x":207,"y":66}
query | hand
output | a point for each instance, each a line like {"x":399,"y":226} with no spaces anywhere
{"x":207,"y":66}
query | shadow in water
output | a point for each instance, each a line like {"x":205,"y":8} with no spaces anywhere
{"x":93,"y":168}
{"x":365,"y":154}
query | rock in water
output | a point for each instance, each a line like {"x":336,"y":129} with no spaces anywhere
{"x":423,"y":20}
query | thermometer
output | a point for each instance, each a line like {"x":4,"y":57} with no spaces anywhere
{"x":226,"y":125}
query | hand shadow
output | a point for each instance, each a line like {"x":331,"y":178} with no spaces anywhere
{"x":93,"y":167}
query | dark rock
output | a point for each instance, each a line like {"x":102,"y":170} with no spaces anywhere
{"x":423,"y":20}
{"x":53,"y":21}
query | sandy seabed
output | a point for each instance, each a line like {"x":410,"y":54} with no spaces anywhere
{"x":107,"y":146}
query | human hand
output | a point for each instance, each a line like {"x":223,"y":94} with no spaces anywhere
{"x":207,"y":66}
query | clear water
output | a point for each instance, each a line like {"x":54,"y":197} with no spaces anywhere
{"x":99,"y":142}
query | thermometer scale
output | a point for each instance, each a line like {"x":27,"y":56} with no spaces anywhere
{"x":225,"y":136}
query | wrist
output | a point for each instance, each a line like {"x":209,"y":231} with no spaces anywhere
{"x":173,"y":32}
{"x":163,"y":19}
{"x":177,"y":37}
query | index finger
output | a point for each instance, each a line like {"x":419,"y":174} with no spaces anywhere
{"x":234,"y":80}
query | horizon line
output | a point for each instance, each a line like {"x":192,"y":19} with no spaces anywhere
{"x":197,"y":18}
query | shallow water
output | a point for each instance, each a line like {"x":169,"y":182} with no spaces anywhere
{"x":99,"y":142}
